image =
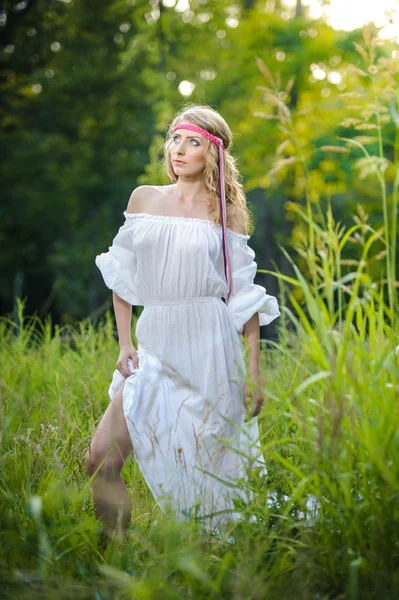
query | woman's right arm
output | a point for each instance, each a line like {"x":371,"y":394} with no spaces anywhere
{"x":122,"y":309}
{"x":123,"y":317}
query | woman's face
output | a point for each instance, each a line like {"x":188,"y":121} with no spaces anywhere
{"x":189,"y":148}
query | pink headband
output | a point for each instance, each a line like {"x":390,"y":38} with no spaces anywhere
{"x":219,"y":144}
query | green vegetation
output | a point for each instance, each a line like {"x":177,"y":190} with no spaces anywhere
{"x":327,"y":516}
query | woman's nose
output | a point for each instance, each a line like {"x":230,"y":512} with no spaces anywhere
{"x":180,"y":147}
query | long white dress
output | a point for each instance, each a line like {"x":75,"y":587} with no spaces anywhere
{"x":184,"y":404}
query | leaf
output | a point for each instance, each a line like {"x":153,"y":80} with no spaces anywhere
{"x":347,"y":236}
{"x":357,"y":71}
{"x":188,"y":564}
{"x":280,"y":276}
{"x":366,"y":126}
{"x":378,"y":107}
{"x":394,"y":113}
{"x":280,"y":164}
{"x":265,"y":71}
{"x":279,"y":103}
{"x":124,"y":580}
{"x":265,"y":89}
{"x":310,"y":380}
{"x":350,"y":95}
{"x":346,"y":278}
{"x":362,"y":52}
{"x":367,"y":114}
{"x":372,"y":50}
{"x":283,"y":146}
{"x":289,"y":85}
{"x":366,"y":36}
{"x":337,"y":149}
{"x":349,"y":262}
{"x":372,"y":164}
{"x":366,"y":139}
{"x":262,"y":115}
{"x":350,"y":122}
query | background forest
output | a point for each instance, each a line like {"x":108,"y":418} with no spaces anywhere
{"x":88,"y":90}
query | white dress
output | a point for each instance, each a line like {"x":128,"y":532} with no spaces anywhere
{"x":184,"y":404}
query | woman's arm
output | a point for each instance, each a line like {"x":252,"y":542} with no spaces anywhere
{"x":123,"y":317}
{"x":252,"y":334}
{"x":254,"y":391}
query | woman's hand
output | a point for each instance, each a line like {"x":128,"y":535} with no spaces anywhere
{"x":126,"y":353}
{"x":254,"y":398}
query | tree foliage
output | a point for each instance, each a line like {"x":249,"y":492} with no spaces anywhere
{"x":88,"y":90}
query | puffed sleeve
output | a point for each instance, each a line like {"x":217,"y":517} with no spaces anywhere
{"x":118,"y":265}
{"x":247,"y":297}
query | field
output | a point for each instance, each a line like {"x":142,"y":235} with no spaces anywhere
{"x":326,"y":514}
{"x":324,"y":523}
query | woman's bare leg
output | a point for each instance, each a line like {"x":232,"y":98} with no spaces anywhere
{"x":108,"y":451}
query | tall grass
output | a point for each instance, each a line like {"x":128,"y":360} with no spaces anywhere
{"x":323,"y":523}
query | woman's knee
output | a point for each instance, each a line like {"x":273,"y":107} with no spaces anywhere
{"x":90,"y":463}
{"x":93,"y":460}
{"x":111,"y":443}
{"x":106,"y":463}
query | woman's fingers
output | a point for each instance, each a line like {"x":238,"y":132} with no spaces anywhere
{"x":135,"y":359}
{"x":257,"y":409}
{"x":127,"y":360}
{"x":133,"y":362}
{"x":259,"y":400}
{"x":253,"y":400}
{"x":123,"y":368}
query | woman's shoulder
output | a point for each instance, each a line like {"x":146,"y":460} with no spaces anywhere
{"x":143,"y":197}
{"x":138,"y":198}
{"x":146,"y":198}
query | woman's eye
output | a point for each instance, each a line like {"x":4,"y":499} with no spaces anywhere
{"x":195,"y":141}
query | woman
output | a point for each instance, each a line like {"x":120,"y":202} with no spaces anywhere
{"x":179,"y":400}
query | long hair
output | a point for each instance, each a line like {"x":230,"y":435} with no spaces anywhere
{"x":236,"y":204}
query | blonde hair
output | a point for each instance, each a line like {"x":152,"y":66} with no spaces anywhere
{"x":236,"y":204}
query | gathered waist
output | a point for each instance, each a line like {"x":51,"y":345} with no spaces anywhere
{"x":178,"y":301}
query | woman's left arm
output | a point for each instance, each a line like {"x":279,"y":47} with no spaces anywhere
{"x":253,"y":393}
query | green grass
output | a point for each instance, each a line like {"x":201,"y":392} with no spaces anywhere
{"x":329,"y":431}
{"x":329,"y":428}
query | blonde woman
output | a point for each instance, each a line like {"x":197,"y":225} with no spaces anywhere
{"x":179,"y":400}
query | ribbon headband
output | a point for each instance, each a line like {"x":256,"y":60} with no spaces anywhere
{"x":222,"y":195}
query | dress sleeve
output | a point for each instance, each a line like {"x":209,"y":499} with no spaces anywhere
{"x":118,"y":266}
{"x":247,"y":297}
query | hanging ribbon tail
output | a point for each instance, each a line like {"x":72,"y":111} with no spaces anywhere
{"x":226,"y":254}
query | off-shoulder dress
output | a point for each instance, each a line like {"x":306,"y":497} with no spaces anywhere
{"x":184,"y":403}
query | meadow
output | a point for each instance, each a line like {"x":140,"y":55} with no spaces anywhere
{"x":326,"y":515}
{"x":326,"y":520}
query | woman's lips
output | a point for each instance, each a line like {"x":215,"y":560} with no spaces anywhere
{"x":179,"y":162}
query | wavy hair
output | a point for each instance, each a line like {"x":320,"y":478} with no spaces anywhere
{"x":236,"y":204}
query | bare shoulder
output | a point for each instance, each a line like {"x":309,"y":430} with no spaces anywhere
{"x":235,"y":218}
{"x":139,"y":198}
